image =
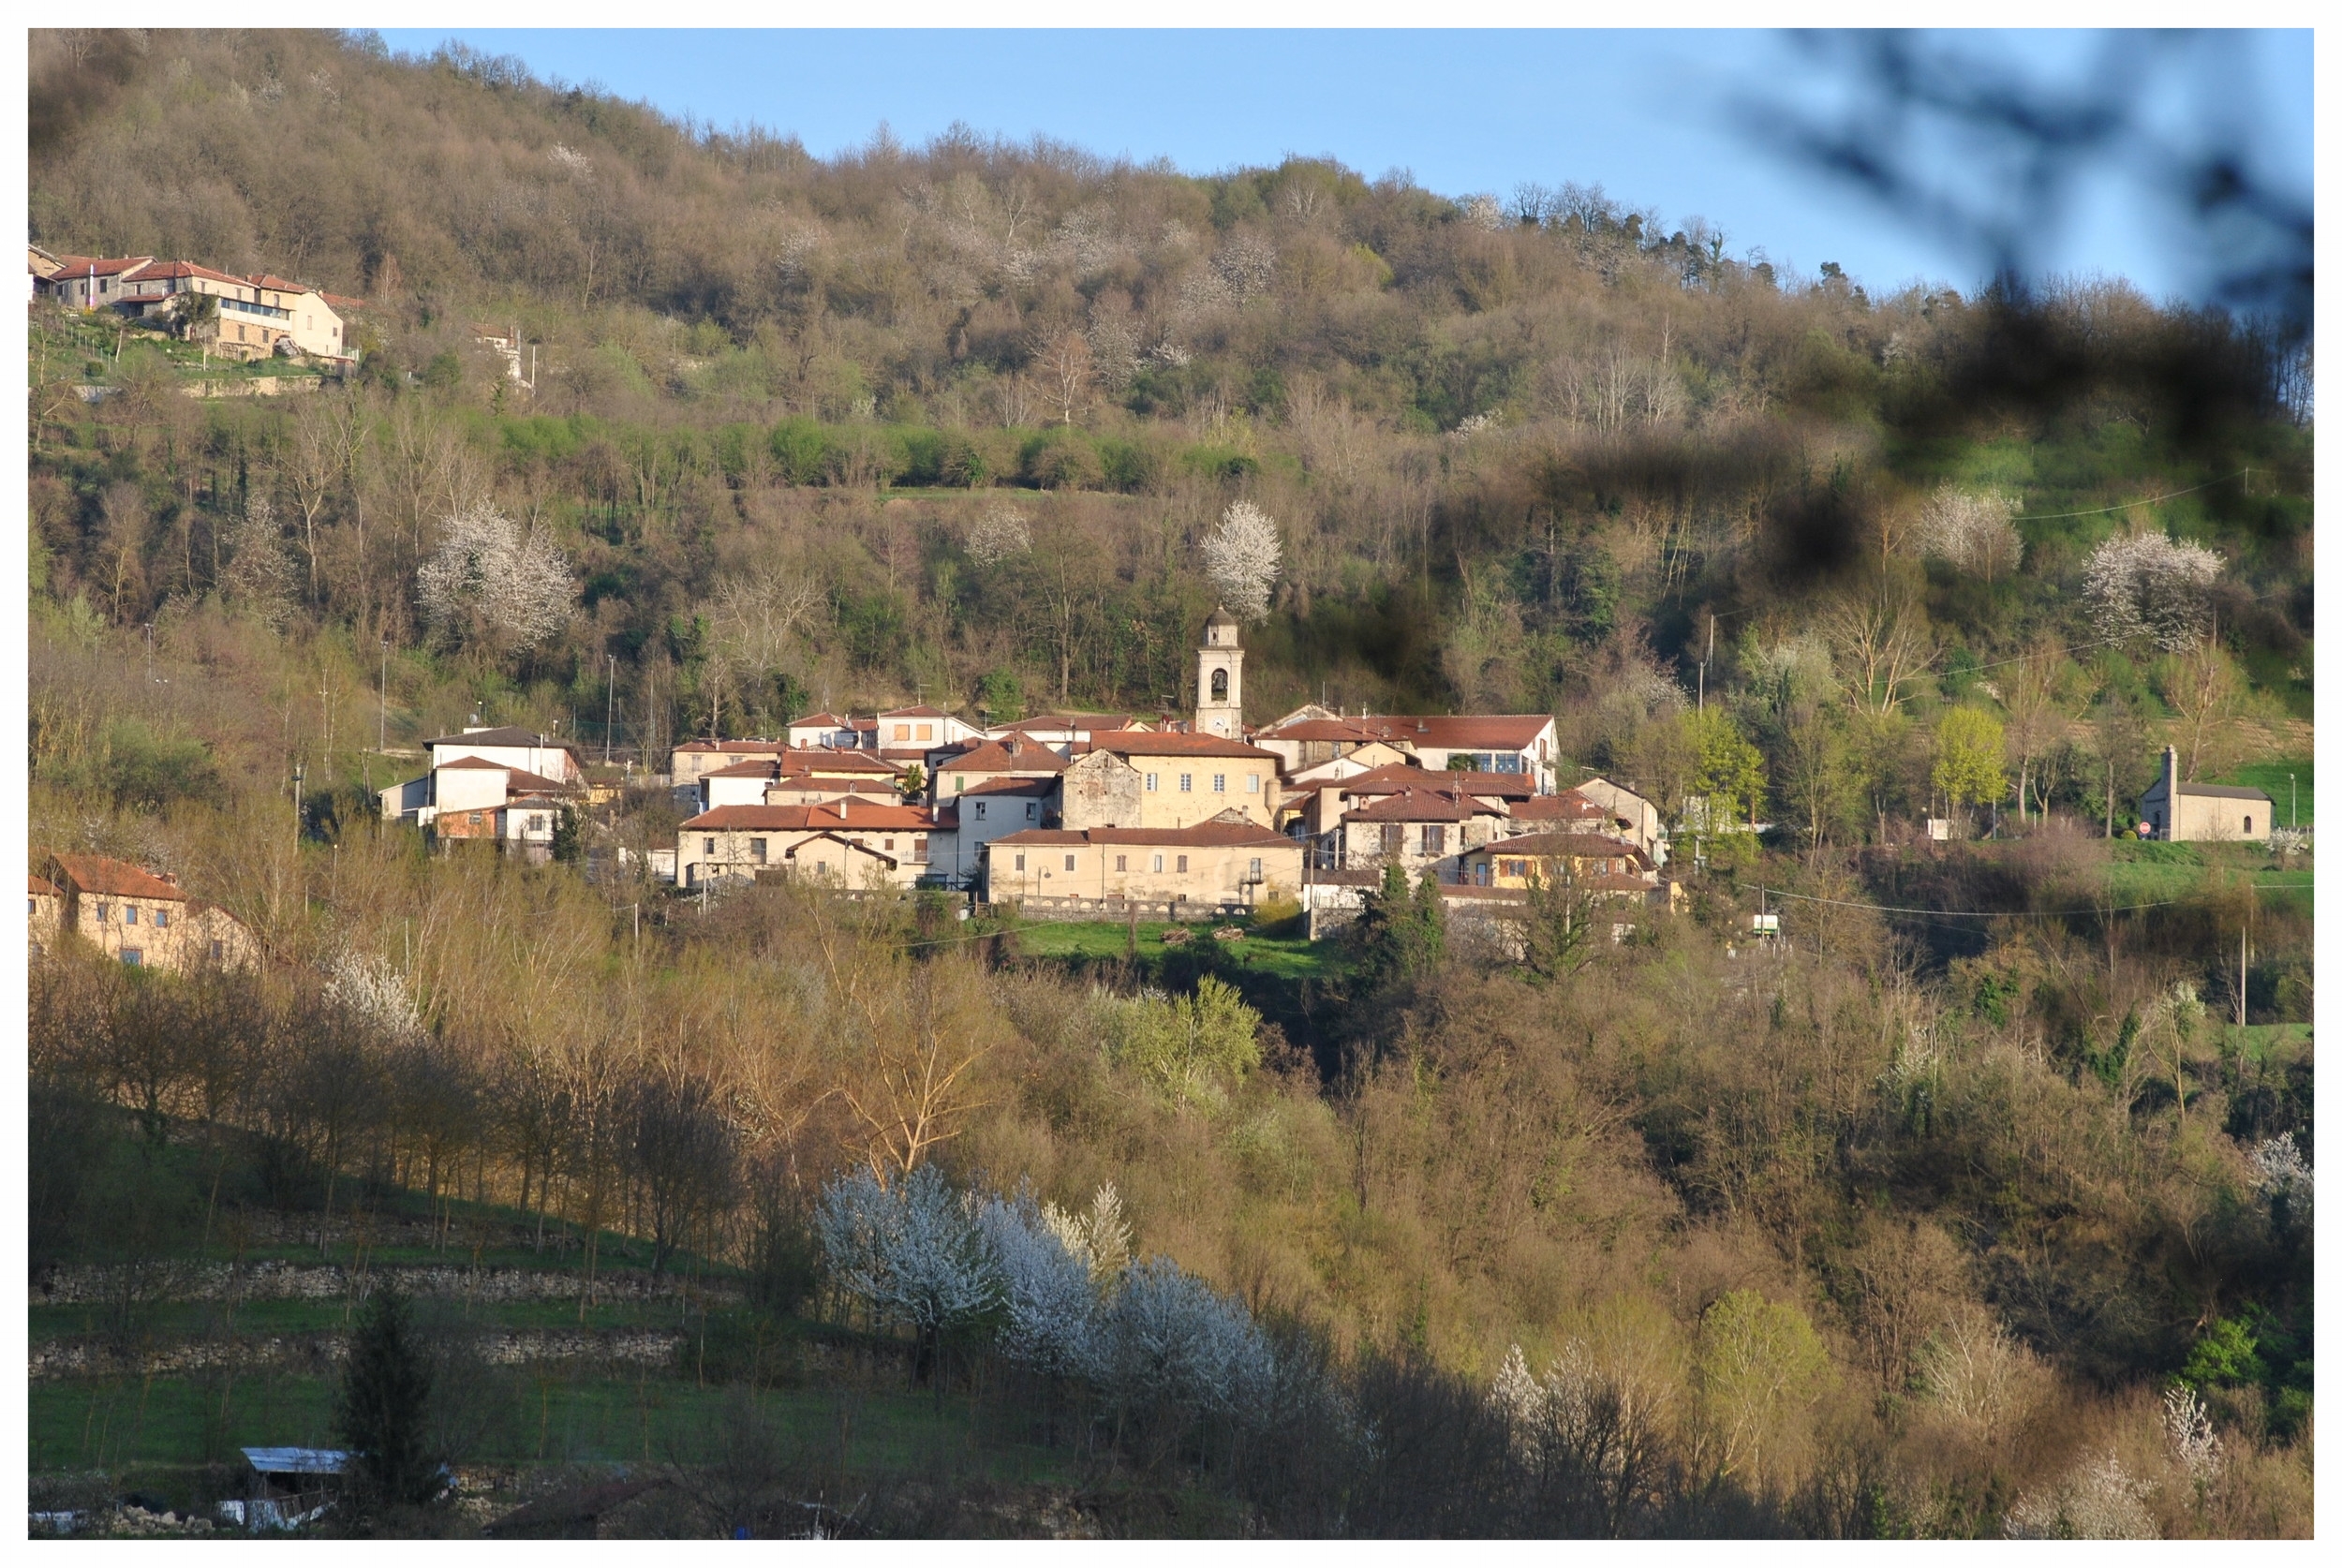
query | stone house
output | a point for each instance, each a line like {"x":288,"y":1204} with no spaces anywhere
{"x":1420,"y":829}
{"x":1189,"y":778}
{"x":141,"y":917}
{"x":988,"y":809}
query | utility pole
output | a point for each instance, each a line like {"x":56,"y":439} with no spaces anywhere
{"x":150,"y":653}
{"x":2243,"y":941}
{"x":610,"y":711}
{"x":2109,"y":797}
{"x":1704,"y":658}
{"x":300,"y":773}
{"x":382,"y":724}
{"x":2294,"y":786}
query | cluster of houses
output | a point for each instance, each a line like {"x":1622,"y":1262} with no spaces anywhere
{"x":257,"y":317}
{"x":1114,"y":812}
{"x":1093,"y":812}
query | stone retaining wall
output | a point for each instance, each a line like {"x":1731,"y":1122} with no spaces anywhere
{"x":69,"y":1285}
{"x":321,"y":1352}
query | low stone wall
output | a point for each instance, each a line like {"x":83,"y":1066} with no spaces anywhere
{"x":73,"y":1285}
{"x":319,"y":1354}
{"x":1186,"y":911}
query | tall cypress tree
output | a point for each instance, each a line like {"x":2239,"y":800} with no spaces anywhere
{"x":383,"y":1414}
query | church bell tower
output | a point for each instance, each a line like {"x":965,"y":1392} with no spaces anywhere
{"x":1220,"y":679}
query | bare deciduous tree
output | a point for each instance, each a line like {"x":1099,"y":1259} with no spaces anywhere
{"x":1881,"y":643}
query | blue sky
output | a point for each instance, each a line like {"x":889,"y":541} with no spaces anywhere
{"x":1652,"y":116}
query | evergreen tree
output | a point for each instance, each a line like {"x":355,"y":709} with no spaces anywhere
{"x":383,"y":1413}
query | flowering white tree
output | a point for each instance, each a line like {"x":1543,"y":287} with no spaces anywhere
{"x":365,"y":986}
{"x":1049,"y":1298}
{"x":1000,"y":533}
{"x":1481,"y":209}
{"x":1167,"y":1337}
{"x":1245,"y":264}
{"x":1059,"y":1285}
{"x":2097,"y":1501}
{"x":2149,"y":585}
{"x":490,"y":581}
{"x":1100,"y":1237}
{"x":2188,"y":1426}
{"x":913,"y":1253}
{"x":1972,"y":530}
{"x":1241,"y":556}
{"x":2280,"y":1170}
{"x":258,"y":580}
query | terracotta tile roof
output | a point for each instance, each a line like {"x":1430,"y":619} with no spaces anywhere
{"x":1468,"y":731}
{"x":993,"y":757}
{"x":342,"y":301}
{"x":119,"y":879}
{"x":1202,"y":836}
{"x":1422,"y":805}
{"x":1567,"y":807}
{"x":71,"y":267}
{"x":826,"y":720}
{"x":820,"y":759}
{"x":1038,"y":787}
{"x":732,"y":748}
{"x":805,"y":783}
{"x":1329,"y":730}
{"x":43,"y":886}
{"x":814,"y":817}
{"x":162,"y":272}
{"x":922,"y":711}
{"x":1565,"y":845}
{"x":749,"y":769}
{"x":514,"y":778}
{"x":1392,"y":777}
{"x":1156,"y":743}
{"x":283,"y":285}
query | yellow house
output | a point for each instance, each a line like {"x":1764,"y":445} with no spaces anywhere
{"x":1590,"y":861}
{"x":256,"y":313}
{"x":1185,"y":778}
{"x":142,"y":917}
{"x":1228,"y":863}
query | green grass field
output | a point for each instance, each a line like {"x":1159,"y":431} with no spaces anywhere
{"x":1286,"y":959}
{"x":2143,"y":873}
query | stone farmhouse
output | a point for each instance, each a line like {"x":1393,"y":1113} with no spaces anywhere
{"x":142,"y":918}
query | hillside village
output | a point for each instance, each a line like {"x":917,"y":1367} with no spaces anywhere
{"x":1097,"y":815}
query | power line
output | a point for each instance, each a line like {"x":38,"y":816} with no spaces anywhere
{"x":2151,"y":500}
